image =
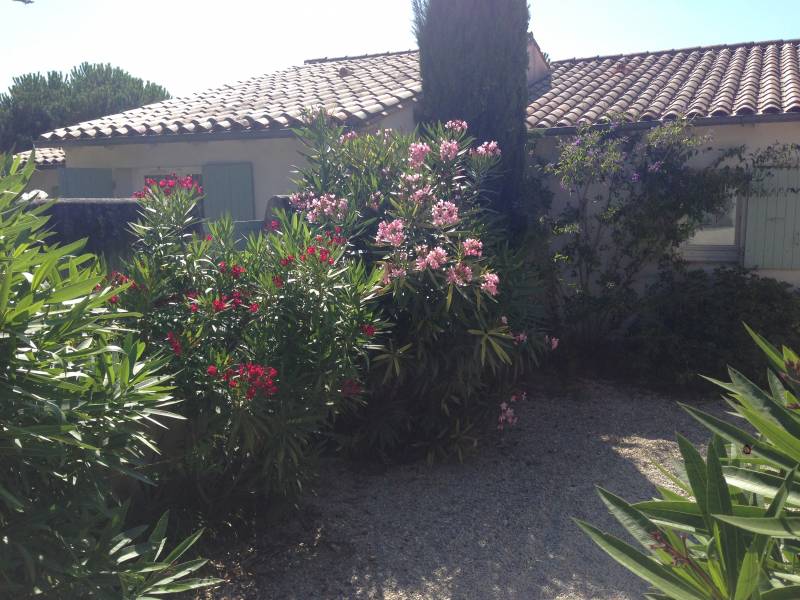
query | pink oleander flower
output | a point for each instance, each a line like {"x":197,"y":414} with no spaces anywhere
{"x":456,"y":125}
{"x":417,"y":153}
{"x":473,"y":247}
{"x":459,"y":275}
{"x":448,"y":150}
{"x":551,"y":342}
{"x":326,"y":205}
{"x":487,"y":149}
{"x":433,"y":260}
{"x":391,"y":232}
{"x":490,"y":283}
{"x":392,"y":271}
{"x":411,"y":179}
{"x":421,"y":195}
{"x":504,"y":320}
{"x":506,"y":417}
{"x":350,"y":135}
{"x":444,"y":213}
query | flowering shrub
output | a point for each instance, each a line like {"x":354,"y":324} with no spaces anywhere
{"x":80,"y":401}
{"x":635,"y":197}
{"x":416,"y":210}
{"x":267,"y":335}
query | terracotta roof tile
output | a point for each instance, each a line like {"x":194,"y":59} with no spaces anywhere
{"x":46,"y":158}
{"x":715,"y":81}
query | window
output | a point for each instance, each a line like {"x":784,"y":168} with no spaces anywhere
{"x":718,"y":238}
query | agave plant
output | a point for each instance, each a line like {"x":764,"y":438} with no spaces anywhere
{"x":733,"y":530}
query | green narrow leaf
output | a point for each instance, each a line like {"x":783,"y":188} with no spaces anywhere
{"x":641,"y":565}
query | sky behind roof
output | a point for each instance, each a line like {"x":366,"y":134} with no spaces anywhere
{"x":191,"y":45}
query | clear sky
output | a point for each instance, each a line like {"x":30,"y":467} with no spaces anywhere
{"x":190,"y":45}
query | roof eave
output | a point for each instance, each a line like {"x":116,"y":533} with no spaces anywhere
{"x":177,"y":137}
{"x":697,"y":122}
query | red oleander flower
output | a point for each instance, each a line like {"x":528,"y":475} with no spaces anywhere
{"x":351,"y":388}
{"x":193,"y":307}
{"x":274,"y":225}
{"x":114,"y":299}
{"x":324,"y":254}
{"x":278,"y":281}
{"x":311,"y":250}
{"x":175,"y":343}
{"x":212,"y":370}
{"x":368,"y":329}
{"x":222,"y":266}
{"x":219,"y":304}
{"x":254,"y":307}
{"x":237,"y":271}
{"x":209,"y":237}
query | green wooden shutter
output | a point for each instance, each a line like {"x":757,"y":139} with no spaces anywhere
{"x":228,"y":188}
{"x":85,"y":183}
{"x":772,"y":232}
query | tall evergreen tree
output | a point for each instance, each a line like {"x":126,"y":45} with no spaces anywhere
{"x":473,"y":62}
{"x":37,"y":103}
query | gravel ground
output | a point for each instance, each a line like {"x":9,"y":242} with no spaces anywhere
{"x":496,"y":527}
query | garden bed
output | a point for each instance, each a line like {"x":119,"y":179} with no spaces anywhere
{"x":497,"y":526}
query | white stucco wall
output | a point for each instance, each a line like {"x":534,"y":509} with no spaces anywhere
{"x":752,"y":136}
{"x":273,"y":159}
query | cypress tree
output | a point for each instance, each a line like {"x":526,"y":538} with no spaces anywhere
{"x":473,"y":62}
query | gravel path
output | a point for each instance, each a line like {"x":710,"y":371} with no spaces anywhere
{"x":497,"y":527}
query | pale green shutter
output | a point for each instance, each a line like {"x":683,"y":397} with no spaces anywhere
{"x":228,"y":188}
{"x":85,"y":183}
{"x":772,"y":232}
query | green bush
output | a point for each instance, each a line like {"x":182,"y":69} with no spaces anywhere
{"x":78,"y":402}
{"x":267,"y":335}
{"x":634,"y":198}
{"x":688,"y":323}
{"x":459,"y":305}
{"x":733,"y":530}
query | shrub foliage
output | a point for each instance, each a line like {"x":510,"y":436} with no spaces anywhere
{"x":731,"y":531}
{"x":79,"y":401}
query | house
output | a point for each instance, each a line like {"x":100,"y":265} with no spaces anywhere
{"x":238,"y":138}
{"x":49,"y":163}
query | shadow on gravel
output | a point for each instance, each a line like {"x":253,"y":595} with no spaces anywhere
{"x":498,"y":526}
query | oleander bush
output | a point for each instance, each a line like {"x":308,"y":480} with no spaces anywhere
{"x":79,"y":399}
{"x":267,"y":335}
{"x":731,"y":531}
{"x":460,"y":306}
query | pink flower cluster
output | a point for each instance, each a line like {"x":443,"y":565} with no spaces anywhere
{"x":460,"y":275}
{"x":490,"y":283}
{"x":350,"y":135}
{"x":507,"y":415}
{"x":327,"y":205}
{"x":487,"y":149}
{"x":456,"y":125}
{"x":433,"y":260}
{"x":421,"y":195}
{"x":392,"y":271}
{"x":391,"y":232}
{"x":473,"y":247}
{"x":444,"y":213}
{"x":551,"y":342}
{"x":417,"y":153}
{"x":448,"y":150}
